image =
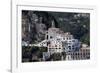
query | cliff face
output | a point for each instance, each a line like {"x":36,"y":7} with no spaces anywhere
{"x":36,"y":23}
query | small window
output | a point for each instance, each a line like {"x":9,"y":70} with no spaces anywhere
{"x":69,"y":47}
{"x":69,"y":38}
{"x":73,"y":48}
{"x":63,"y":38}
{"x":47,"y":37}
{"x":66,"y":38}
{"x":55,"y":45}
{"x":73,"y":41}
{"x":51,"y":37}
{"x":47,"y":32}
{"x":69,"y":41}
{"x":76,"y":54}
{"x":58,"y":39}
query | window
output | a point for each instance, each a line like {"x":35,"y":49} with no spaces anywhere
{"x":69,"y":47}
{"x":73,"y":41}
{"x":49,"y":45}
{"x":47,"y":37}
{"x":69,"y":38}
{"x":69,"y":43}
{"x":47,"y":32}
{"x":73,"y":48}
{"x":58,"y":39}
{"x":51,"y":37}
{"x":55,"y":45}
{"x":63,"y":38}
{"x":76,"y":54}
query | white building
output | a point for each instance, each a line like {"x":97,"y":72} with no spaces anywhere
{"x":58,"y":41}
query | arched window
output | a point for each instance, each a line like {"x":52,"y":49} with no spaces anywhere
{"x":47,"y":37}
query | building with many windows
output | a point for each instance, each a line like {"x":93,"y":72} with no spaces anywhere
{"x":58,"y":41}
